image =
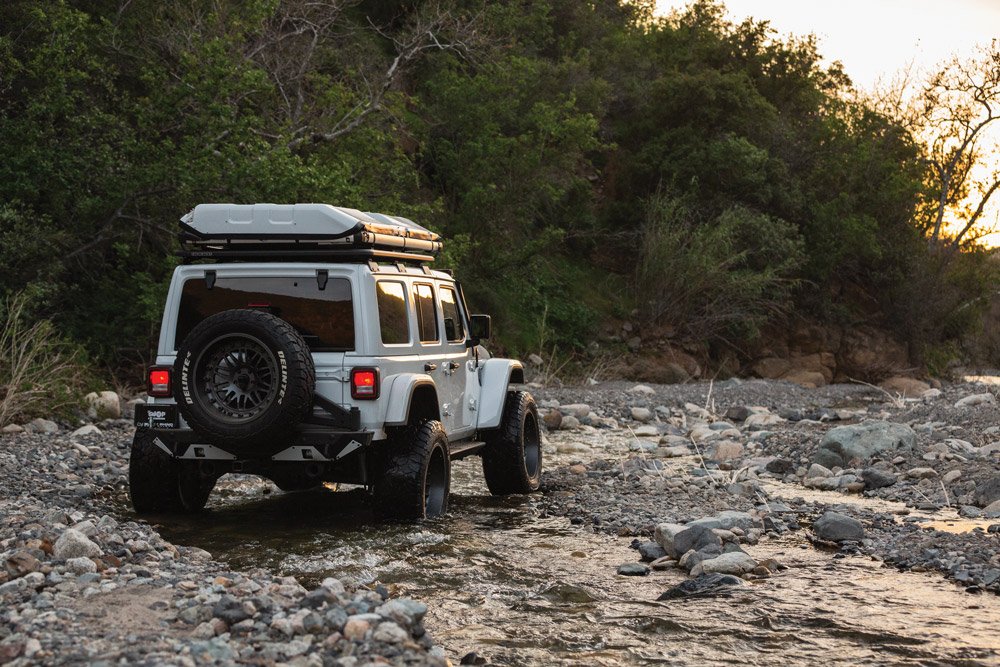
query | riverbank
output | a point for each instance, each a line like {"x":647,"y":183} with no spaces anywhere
{"x":269,"y":578}
{"x":83,"y":584}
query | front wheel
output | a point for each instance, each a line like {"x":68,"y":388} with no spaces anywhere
{"x":512,"y":458}
{"x":159,"y":483}
{"x":416,"y":480}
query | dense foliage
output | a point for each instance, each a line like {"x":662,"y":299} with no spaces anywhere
{"x":584,"y":158}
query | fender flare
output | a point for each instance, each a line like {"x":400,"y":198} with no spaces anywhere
{"x":400,"y":395}
{"x":495,"y":378}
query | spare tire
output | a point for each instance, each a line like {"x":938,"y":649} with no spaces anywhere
{"x":242,"y":377}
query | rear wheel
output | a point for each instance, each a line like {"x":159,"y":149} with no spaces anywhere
{"x":416,"y":480}
{"x":512,"y":458}
{"x":159,"y":483}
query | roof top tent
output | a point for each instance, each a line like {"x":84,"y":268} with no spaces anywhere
{"x":285,"y":232}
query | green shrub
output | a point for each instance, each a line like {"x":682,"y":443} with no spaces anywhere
{"x":40,"y":373}
{"x":715,"y":278}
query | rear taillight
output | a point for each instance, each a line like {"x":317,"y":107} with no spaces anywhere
{"x":364,"y":383}
{"x":158,"y":382}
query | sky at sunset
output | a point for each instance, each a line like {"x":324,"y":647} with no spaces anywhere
{"x":877,"y":38}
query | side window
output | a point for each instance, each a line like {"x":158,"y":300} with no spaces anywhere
{"x":454,"y":331}
{"x":393,"y":318}
{"x":427,"y":323}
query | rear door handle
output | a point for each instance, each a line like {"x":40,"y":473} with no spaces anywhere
{"x":454,"y":365}
{"x":430,"y":367}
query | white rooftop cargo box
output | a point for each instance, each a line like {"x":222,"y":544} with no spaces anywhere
{"x":286,"y":231}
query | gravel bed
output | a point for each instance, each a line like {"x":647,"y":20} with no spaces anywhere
{"x":83,"y":584}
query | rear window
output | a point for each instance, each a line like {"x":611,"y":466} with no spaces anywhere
{"x":325,"y":318}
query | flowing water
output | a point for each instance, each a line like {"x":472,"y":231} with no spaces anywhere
{"x":521,"y":589}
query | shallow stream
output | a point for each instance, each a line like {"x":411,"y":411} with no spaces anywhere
{"x":520,"y":589}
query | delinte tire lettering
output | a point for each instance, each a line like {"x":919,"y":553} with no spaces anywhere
{"x":185,"y":369}
{"x":284,"y":376}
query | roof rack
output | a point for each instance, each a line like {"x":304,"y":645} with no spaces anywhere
{"x":301,"y":232}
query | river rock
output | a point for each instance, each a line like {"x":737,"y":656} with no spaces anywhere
{"x":81,"y":565}
{"x":569,"y":423}
{"x":705,"y":585}
{"x":738,"y":413}
{"x":664,"y":535}
{"x":951,"y":476}
{"x":726,"y":520}
{"x":905,"y":386}
{"x":836,"y":527}
{"x":816,"y":471}
{"x":578,"y":410}
{"x":633,"y":569}
{"x":21,"y":563}
{"x":992,"y":511}
{"x":735,"y":562}
{"x":877,"y":479}
{"x":88,"y":429}
{"x":760,"y":421}
{"x":73,"y":544}
{"x":726,"y":450}
{"x":844,"y":444}
{"x":988,"y":492}
{"x":921,"y":473}
{"x":650,"y":551}
{"x":10,"y":429}
{"x":104,"y":405}
{"x":693,"y":538}
{"x":642,"y":389}
{"x":39,"y":425}
{"x":552,"y":419}
{"x":976,"y":399}
{"x":641,"y":414}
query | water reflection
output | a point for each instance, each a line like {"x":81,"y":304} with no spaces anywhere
{"x":521,"y":589}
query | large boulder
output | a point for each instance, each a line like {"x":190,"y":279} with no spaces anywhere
{"x":844,"y":445}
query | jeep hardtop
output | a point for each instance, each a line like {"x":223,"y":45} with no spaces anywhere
{"x":310,"y":343}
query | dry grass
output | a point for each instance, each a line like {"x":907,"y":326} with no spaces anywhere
{"x":40,"y":374}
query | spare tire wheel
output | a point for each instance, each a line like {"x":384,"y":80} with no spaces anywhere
{"x":242,"y":377}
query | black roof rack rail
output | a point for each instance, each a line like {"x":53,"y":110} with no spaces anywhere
{"x":301,"y":254}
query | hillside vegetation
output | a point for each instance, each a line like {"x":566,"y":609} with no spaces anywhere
{"x":587,"y":162}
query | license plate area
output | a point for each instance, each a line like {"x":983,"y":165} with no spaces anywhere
{"x":157,"y":416}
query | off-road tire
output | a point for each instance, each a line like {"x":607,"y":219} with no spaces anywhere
{"x":291,"y":373}
{"x":416,"y":479}
{"x":158,"y":483}
{"x":512,"y":457}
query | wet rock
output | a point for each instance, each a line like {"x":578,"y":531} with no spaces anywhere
{"x":73,"y":544}
{"x":735,"y":562}
{"x":976,"y":399}
{"x":844,"y":444}
{"x":836,"y":527}
{"x":705,"y":585}
{"x":877,"y":479}
{"x":650,"y":551}
{"x":633,"y":569}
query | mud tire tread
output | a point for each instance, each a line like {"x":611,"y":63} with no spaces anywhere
{"x":503,"y":456}
{"x":399,"y":490}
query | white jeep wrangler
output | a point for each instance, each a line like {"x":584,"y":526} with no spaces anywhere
{"x":309,"y":343}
